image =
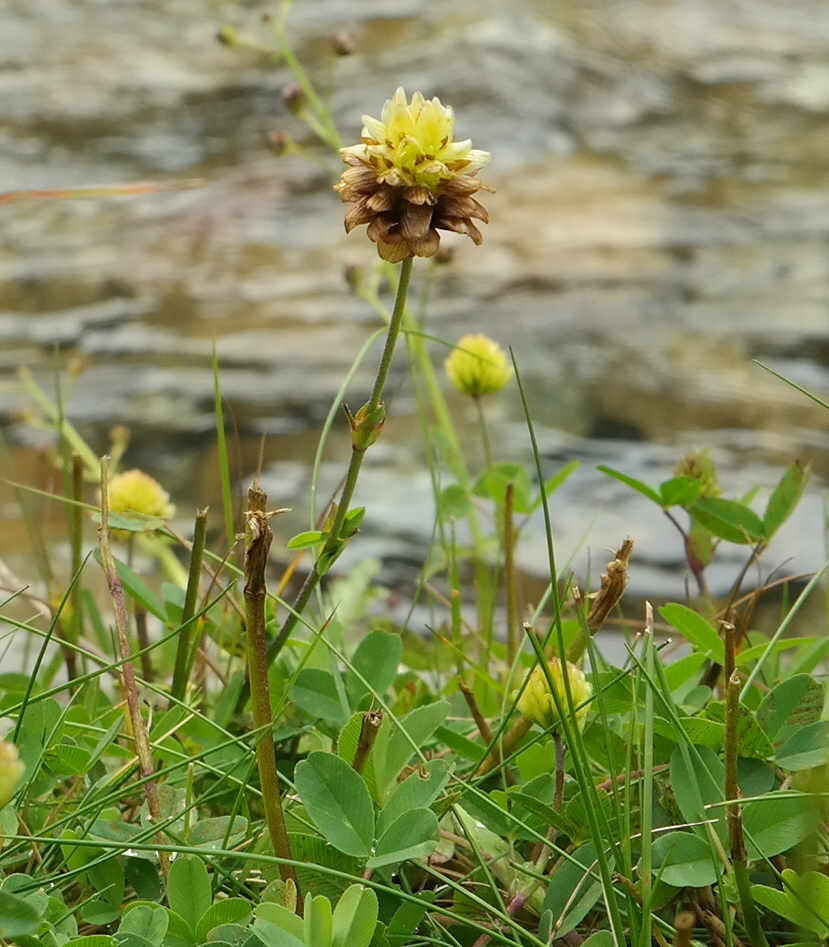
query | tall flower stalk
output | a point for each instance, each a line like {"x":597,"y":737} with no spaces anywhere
{"x":408,"y":179}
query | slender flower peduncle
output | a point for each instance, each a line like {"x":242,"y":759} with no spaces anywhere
{"x":409,"y":178}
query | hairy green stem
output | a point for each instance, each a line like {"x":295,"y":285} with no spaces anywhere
{"x":334,"y":540}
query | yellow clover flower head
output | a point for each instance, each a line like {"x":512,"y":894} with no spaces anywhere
{"x":478,"y":366}
{"x":409,"y":178}
{"x":134,"y":491}
{"x":11,"y":769}
{"x":537,"y":703}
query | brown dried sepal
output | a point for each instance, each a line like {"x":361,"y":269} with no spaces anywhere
{"x":404,"y":220}
{"x":613,"y":586}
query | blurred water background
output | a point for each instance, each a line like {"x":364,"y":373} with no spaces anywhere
{"x":661,"y":221}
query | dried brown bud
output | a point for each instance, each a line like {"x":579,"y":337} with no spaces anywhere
{"x":293,"y":97}
{"x":343,"y":43}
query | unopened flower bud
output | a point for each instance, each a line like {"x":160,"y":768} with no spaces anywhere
{"x":293,"y":97}
{"x":699,"y":465}
{"x":366,"y":425}
{"x":11,"y":769}
{"x":228,"y":35}
{"x":478,"y":366}
{"x":343,"y":43}
{"x":537,"y":702}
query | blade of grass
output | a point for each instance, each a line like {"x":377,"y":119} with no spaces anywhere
{"x":599,"y":830}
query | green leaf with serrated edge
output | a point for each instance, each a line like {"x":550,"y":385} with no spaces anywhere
{"x":376,"y":660}
{"x":355,"y":918}
{"x":752,"y":741}
{"x":806,"y":748}
{"x":307,"y":540}
{"x":785,"y":497}
{"x":397,"y":743}
{"x":777,"y":823}
{"x":416,"y":791}
{"x":695,"y":629}
{"x":645,"y":489}
{"x":414,"y":834}
{"x":728,"y":519}
{"x":315,"y":692}
{"x":338,"y":802}
{"x":683,"y":859}
{"x":137,"y":588}
{"x":789,"y":706}
{"x":188,"y":890}
{"x":679,"y":491}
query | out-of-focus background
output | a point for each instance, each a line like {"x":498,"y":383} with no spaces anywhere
{"x":661,"y":220}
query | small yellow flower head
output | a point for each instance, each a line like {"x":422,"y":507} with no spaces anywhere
{"x":537,"y":703}
{"x":478,"y":366}
{"x":409,"y":178}
{"x":136,"y":492}
{"x":11,"y":769}
{"x":699,"y":464}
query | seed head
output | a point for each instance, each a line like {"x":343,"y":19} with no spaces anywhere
{"x":478,"y":366}
{"x":409,"y":178}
